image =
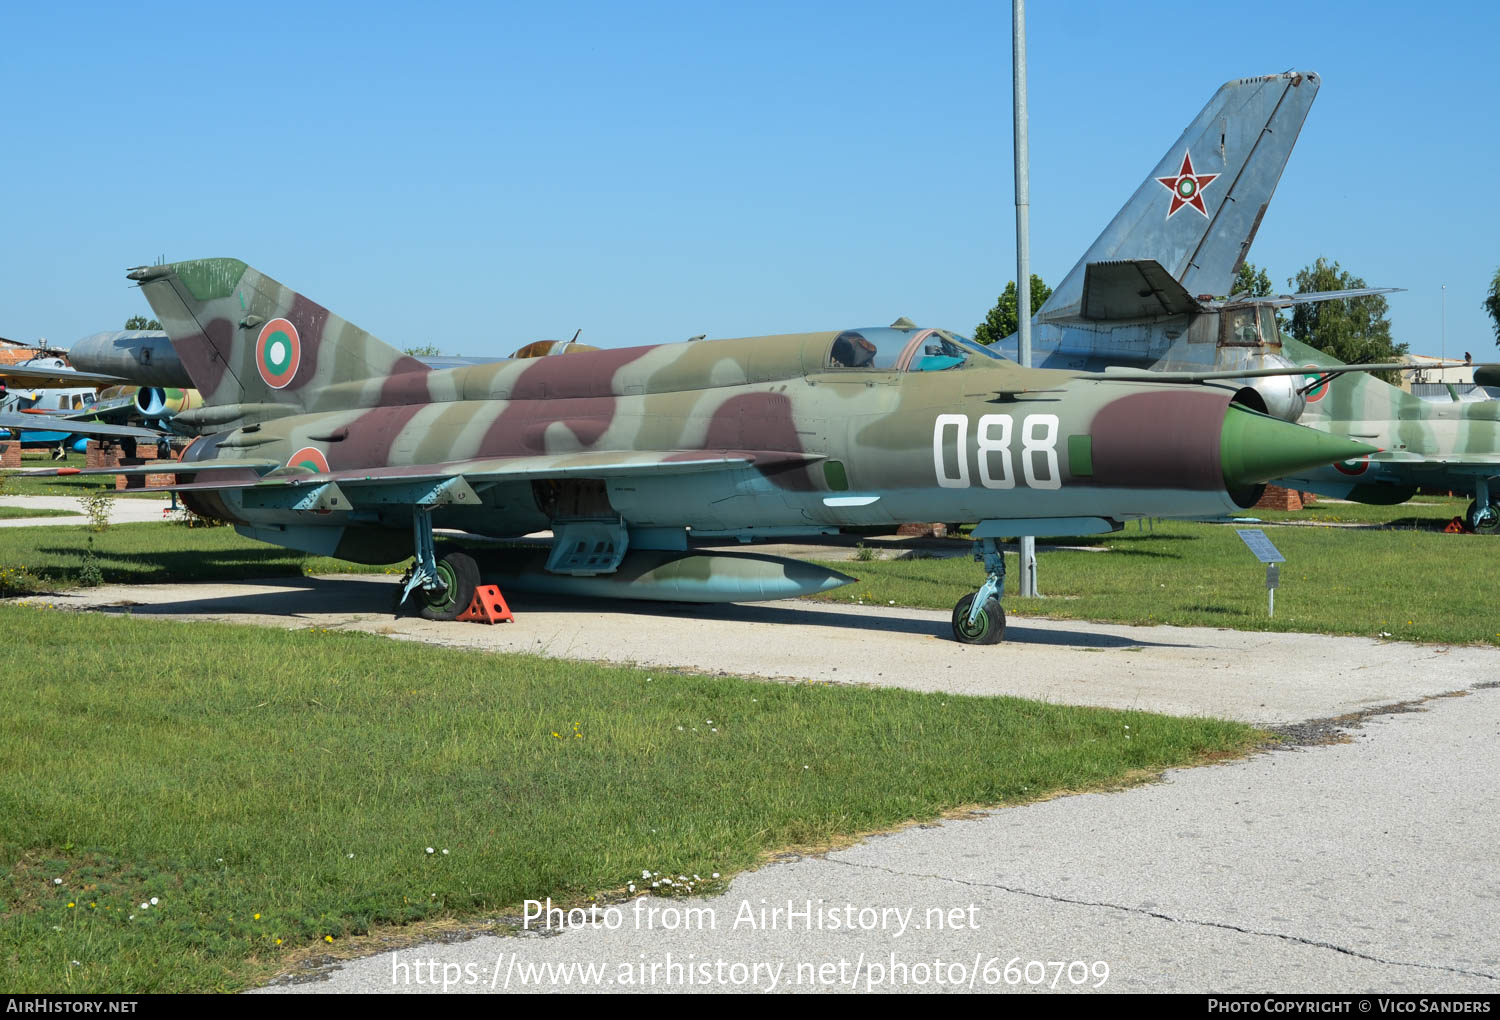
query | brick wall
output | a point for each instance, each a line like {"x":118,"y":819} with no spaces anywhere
{"x":107,"y":455}
{"x":1277,"y":498}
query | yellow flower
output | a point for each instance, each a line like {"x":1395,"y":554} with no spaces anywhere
{"x":257,"y":917}
{"x":70,"y":906}
{"x":327,"y":938}
{"x":278,"y":942}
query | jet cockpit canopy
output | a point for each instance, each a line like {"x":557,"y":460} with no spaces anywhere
{"x":898,"y":349}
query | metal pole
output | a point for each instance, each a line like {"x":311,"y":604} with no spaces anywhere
{"x":1443,"y":372}
{"x":1023,"y":242}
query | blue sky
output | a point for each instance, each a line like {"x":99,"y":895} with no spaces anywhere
{"x":478,"y":176}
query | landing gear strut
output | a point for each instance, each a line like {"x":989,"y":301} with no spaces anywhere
{"x":445,"y":587}
{"x":1483,"y":515}
{"x":978,"y":619}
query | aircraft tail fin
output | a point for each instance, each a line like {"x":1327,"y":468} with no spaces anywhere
{"x":250,"y":343}
{"x":1197,"y":212}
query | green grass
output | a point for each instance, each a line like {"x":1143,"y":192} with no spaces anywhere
{"x":1415,"y":585}
{"x":1419,"y":513}
{"x":13,"y":512}
{"x":267,"y":785}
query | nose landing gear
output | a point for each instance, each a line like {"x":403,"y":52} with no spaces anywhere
{"x":978,"y":619}
{"x":1483,"y":515}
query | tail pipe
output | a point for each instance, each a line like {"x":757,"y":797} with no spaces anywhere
{"x":159,"y":403}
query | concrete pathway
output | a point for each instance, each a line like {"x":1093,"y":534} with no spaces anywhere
{"x":1369,"y":866}
{"x":1267,"y":679}
{"x":130,"y":510}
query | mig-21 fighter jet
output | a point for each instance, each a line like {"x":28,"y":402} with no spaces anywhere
{"x":317,"y":436}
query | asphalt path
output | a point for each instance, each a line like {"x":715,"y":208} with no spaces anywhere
{"x":1266,"y":679}
{"x":130,"y":510}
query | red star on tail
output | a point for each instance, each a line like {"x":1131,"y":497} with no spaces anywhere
{"x":1187,"y":187}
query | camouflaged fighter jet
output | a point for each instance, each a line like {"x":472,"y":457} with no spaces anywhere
{"x":321,"y":438}
{"x":1423,"y":444}
{"x":1143,"y":296}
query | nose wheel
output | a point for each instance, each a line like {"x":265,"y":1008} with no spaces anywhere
{"x":1483,"y":515}
{"x":978,"y":618}
{"x":986,"y":627}
{"x":1484,"y":520}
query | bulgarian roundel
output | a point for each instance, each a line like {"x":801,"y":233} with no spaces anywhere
{"x":1319,"y":391}
{"x":1186,"y":186}
{"x":309,"y":457}
{"x":278,"y":353}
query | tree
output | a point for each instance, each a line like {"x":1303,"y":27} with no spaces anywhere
{"x":1251,"y":280}
{"x":1492,"y":304}
{"x":1002,"y":320}
{"x":425,"y":351}
{"x":1352,"y":330}
{"x":141,"y":322}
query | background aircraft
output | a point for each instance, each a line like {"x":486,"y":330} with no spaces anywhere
{"x":319,"y":437}
{"x":1423,"y":444}
{"x":1143,"y":295}
{"x":42,"y":396}
{"x":136,"y":387}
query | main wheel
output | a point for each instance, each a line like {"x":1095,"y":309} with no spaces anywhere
{"x":1489,"y":519}
{"x":988,"y":627}
{"x":458,"y":576}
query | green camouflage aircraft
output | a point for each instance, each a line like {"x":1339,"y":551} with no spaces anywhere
{"x":319,"y":437}
{"x":1423,"y":444}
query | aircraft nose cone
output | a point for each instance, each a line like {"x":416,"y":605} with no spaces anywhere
{"x":1254,"y":448}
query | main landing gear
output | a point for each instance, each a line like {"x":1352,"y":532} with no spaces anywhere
{"x":444,"y":587}
{"x":978,"y":619}
{"x":1483,"y":515}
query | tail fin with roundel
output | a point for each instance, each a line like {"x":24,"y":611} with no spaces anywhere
{"x":1197,"y":212}
{"x":256,"y":349}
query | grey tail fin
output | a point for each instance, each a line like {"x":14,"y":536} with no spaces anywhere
{"x":1197,"y":212}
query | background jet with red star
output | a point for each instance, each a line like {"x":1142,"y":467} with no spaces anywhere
{"x":1153,"y":291}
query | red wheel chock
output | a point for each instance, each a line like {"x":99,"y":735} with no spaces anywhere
{"x":487,"y":606}
{"x":1457,"y":526}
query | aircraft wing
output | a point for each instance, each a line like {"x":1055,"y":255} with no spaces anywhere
{"x":429,"y":483}
{"x":211,"y":467}
{"x":113,"y":409}
{"x":1287,"y":300}
{"x":54,"y":378}
{"x":1323,"y":371}
{"x":57,"y":423}
{"x":1481,"y":462}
